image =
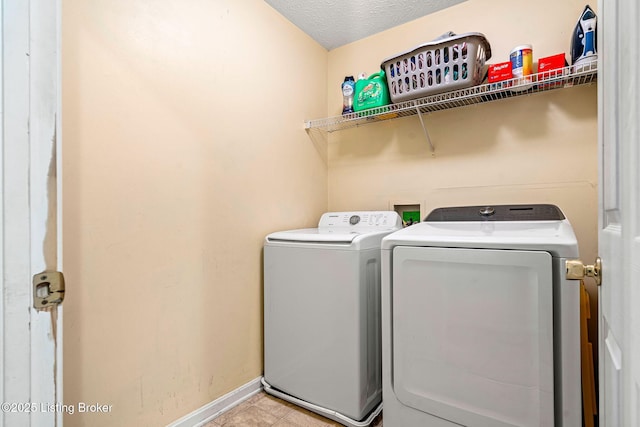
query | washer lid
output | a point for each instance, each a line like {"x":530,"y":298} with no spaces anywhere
{"x":315,"y":235}
{"x":556,"y":236}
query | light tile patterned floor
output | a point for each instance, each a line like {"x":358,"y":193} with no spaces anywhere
{"x":263,"y":410}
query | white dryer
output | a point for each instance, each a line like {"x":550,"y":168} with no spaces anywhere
{"x":322,"y":340}
{"x":480,"y":326}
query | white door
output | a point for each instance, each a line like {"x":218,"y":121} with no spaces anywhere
{"x":619,"y":216}
{"x":31,"y":345}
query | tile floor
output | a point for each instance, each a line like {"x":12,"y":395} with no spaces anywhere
{"x":263,"y":410}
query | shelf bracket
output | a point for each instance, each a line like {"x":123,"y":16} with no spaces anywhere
{"x":426,"y":133}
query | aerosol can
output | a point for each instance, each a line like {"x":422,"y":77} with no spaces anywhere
{"x":583,"y":42}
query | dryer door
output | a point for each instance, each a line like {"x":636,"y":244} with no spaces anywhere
{"x":473,"y":334}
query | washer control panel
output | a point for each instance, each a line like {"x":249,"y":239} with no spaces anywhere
{"x":382,"y":219}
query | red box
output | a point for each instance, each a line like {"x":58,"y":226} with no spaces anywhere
{"x":550,"y":68}
{"x":500,"y":72}
{"x":552,"y":63}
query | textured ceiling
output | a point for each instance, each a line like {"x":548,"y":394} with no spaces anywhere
{"x":334,"y":23}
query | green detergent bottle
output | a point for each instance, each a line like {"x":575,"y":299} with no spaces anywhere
{"x":371,"y":92}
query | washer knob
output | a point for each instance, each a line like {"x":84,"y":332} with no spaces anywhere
{"x":487,"y":211}
{"x":354,"y":219}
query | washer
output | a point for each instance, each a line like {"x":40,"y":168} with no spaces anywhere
{"x":322,"y":339}
{"x":480,"y":327}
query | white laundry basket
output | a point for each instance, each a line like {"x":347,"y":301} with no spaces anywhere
{"x":449,"y":63}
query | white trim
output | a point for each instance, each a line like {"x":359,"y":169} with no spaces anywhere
{"x":222,"y":404}
{"x":43,"y":202}
{"x":59,"y":421}
{"x":29,"y":48}
{"x":2,"y":313}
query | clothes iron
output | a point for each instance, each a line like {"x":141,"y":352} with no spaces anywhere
{"x":583,"y":42}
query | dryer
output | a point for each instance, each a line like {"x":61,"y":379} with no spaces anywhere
{"x":322,"y":343}
{"x":480,"y":327}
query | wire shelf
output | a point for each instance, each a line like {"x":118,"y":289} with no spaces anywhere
{"x":566,"y":77}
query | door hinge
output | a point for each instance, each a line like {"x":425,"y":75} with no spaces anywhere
{"x":576,"y":270}
{"x":48,"y":289}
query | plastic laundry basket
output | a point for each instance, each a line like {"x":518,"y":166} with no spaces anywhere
{"x":448,"y":63}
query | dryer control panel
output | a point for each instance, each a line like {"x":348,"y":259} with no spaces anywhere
{"x":360,"y":219}
{"x":498,"y":213}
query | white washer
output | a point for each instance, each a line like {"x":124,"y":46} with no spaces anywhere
{"x":322,"y":339}
{"x":480,"y":327}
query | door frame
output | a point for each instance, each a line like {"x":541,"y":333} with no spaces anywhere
{"x":30,"y":212}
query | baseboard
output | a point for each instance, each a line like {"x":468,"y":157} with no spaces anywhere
{"x":222,"y":404}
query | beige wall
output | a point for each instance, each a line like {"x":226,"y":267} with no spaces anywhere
{"x":183,"y":147}
{"x":533,"y":149}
